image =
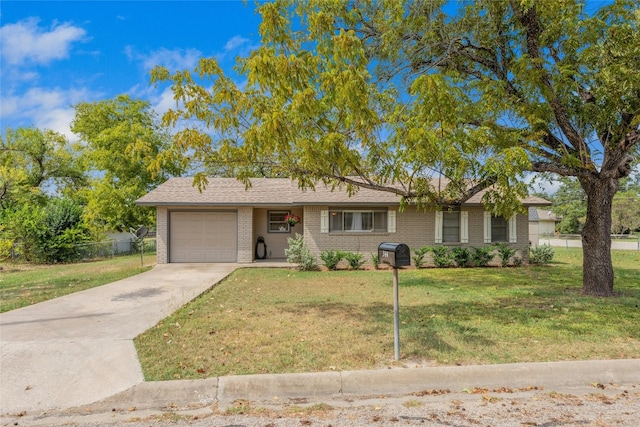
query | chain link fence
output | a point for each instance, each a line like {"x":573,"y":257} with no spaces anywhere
{"x":112,"y":248}
{"x":99,"y":250}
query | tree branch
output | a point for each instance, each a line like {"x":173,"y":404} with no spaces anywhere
{"x":540,"y":166}
{"x":530,"y":22}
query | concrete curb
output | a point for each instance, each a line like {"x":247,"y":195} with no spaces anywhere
{"x":224,"y":390}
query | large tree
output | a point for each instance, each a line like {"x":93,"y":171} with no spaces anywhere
{"x":128,"y":154}
{"x":36,"y":167}
{"x":389,"y":94}
{"x":35,"y":162}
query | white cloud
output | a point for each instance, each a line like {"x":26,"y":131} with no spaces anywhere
{"x":234,"y":43}
{"x":541,"y":183}
{"x":26,"y":43}
{"x":236,"y":46}
{"x":45,"y":108}
{"x":59,"y":120}
{"x":164,"y":102}
{"x":173,"y":60}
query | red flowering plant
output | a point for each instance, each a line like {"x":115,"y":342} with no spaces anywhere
{"x":292,"y":219}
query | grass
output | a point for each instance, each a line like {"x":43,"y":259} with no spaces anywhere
{"x":277,"y":320}
{"x":25,"y":284}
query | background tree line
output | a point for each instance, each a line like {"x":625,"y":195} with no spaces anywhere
{"x":56,"y":194}
{"x":570,"y":203}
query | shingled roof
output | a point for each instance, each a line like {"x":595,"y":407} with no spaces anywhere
{"x":274,"y":192}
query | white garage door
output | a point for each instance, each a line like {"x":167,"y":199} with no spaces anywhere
{"x":203,"y":237}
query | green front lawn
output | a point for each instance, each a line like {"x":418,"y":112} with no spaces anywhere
{"x":277,"y":320}
{"x":26,"y":284}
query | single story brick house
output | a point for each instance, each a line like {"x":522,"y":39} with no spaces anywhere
{"x":223,"y":222}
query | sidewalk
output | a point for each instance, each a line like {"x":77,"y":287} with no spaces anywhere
{"x":385,"y":382}
{"x":585,"y":390}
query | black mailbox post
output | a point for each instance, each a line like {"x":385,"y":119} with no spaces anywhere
{"x":394,"y":254}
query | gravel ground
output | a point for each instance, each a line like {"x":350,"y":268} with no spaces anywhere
{"x":597,"y":405}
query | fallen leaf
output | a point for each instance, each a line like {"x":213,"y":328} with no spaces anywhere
{"x":431,"y":392}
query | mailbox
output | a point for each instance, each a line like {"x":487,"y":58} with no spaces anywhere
{"x":394,"y":254}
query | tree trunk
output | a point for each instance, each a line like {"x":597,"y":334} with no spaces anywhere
{"x":597,"y":268}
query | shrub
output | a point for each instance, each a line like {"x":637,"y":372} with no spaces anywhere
{"x":482,"y":256}
{"x":354,"y":259}
{"x":505,"y":253}
{"x":331,"y":258}
{"x":51,"y":233}
{"x":298,"y":253}
{"x":541,"y":255}
{"x":375,"y":260}
{"x":442,"y":257}
{"x":6,"y":247}
{"x":461,"y":256}
{"x":418,"y":256}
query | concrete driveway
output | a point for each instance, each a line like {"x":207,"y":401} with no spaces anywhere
{"x":78,"y":349}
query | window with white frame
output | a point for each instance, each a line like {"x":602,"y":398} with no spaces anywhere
{"x":452,"y":226}
{"x":277,"y":222}
{"x":499,"y":229}
{"x":357,"y":221}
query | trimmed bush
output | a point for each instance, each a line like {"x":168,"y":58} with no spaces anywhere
{"x":375,"y":260}
{"x":482,"y":256}
{"x":541,"y":255}
{"x":461,"y":256}
{"x":442,"y":257}
{"x":505,"y":252}
{"x":418,"y":256}
{"x":355,"y":260}
{"x":332,"y":258}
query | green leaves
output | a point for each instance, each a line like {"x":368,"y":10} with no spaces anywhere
{"x":128,"y":153}
{"x":393,"y":94}
{"x":31,"y":159}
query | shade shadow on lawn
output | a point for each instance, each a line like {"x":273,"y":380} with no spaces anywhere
{"x":283,"y":321}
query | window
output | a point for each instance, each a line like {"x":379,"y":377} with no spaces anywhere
{"x":452,"y":226}
{"x":277,"y":223}
{"x":353,"y":221}
{"x":499,"y":229}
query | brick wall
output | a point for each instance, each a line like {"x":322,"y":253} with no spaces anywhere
{"x":162,"y":234}
{"x":413,"y":228}
{"x":245,"y":234}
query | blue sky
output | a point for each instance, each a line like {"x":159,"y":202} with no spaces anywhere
{"x":55,"y":54}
